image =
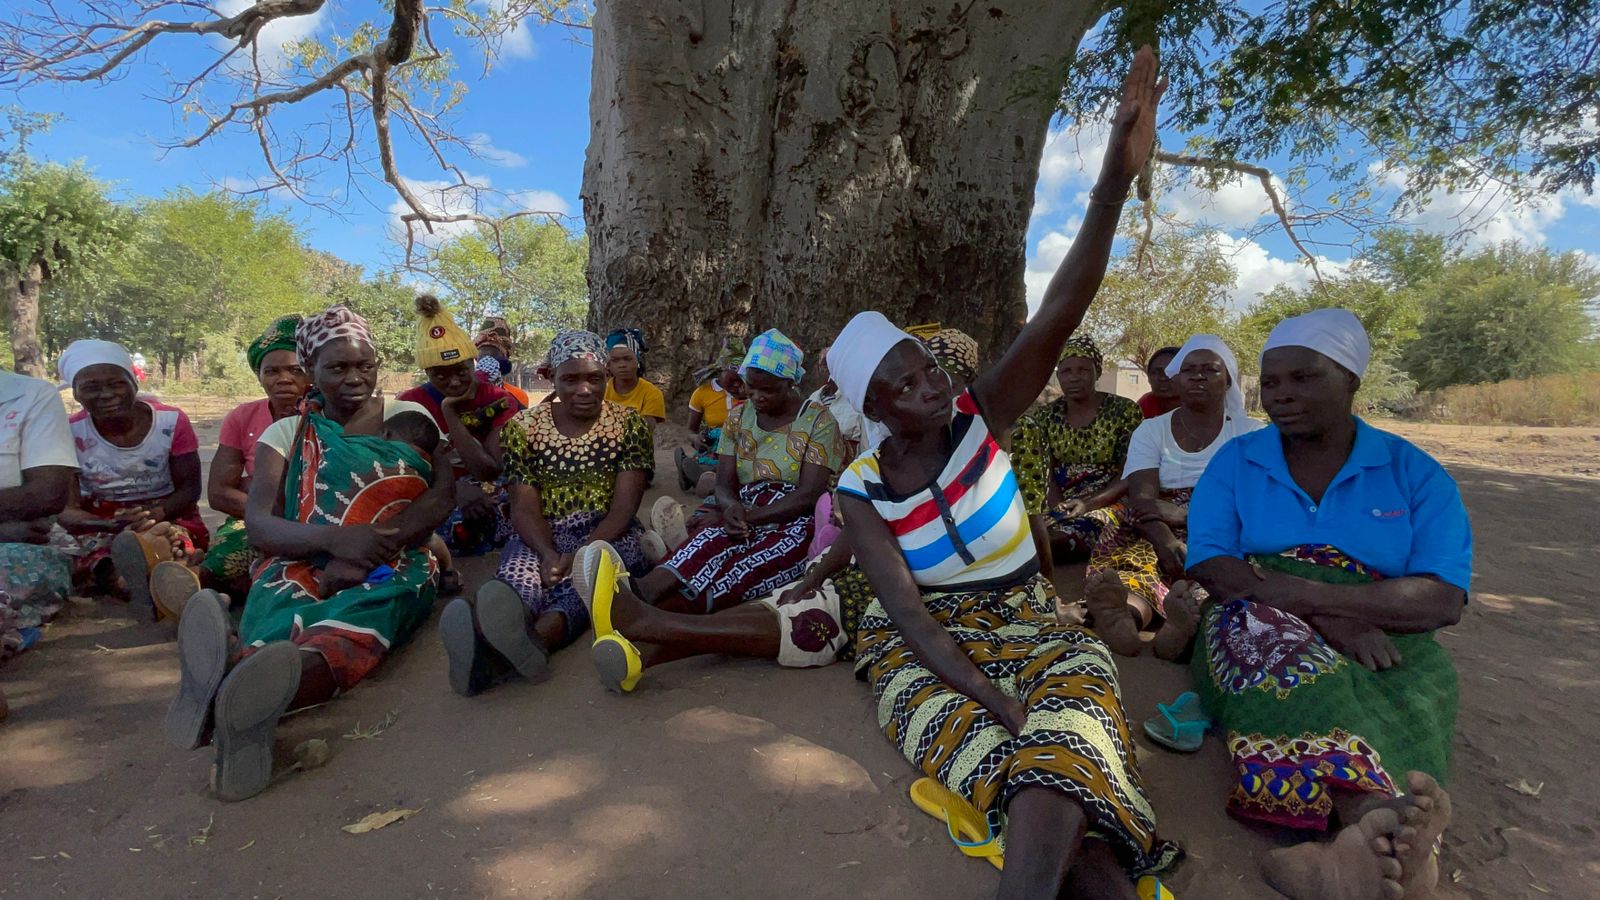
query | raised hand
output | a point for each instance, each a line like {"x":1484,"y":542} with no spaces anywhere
{"x":1133,"y":128}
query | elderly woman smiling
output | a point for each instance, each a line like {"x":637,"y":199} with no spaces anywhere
{"x":1336,"y":551}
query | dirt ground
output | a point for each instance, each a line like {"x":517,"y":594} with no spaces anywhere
{"x":745,"y":780}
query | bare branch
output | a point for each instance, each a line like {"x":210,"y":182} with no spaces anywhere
{"x":1261,"y":174}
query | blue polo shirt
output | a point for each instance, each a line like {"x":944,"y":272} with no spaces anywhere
{"x":1392,"y":507}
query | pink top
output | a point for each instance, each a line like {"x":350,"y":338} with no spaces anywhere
{"x":129,"y":474}
{"x":242,"y":428}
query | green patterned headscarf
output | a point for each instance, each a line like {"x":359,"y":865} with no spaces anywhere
{"x":1082,"y":347}
{"x":278,"y":336}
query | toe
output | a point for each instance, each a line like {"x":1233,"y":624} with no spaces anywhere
{"x":1390,"y":867}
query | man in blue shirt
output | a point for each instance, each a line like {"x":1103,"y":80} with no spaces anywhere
{"x":1333,"y":550}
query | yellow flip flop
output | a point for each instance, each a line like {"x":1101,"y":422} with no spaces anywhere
{"x":1151,"y":888}
{"x":605,"y":588}
{"x":618,"y":663}
{"x":968,"y":828}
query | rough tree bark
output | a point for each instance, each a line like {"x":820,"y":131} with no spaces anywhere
{"x":22,"y":301}
{"x":757,"y":163}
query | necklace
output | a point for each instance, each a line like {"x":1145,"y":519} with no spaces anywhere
{"x":1187,"y":430}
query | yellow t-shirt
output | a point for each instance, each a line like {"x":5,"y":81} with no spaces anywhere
{"x":645,"y":397}
{"x":711,"y":402}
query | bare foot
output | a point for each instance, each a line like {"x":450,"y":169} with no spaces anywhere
{"x":1431,"y":816}
{"x":1358,"y":864}
{"x":627,"y":611}
{"x":1183,"y":617}
{"x":1107,"y":598}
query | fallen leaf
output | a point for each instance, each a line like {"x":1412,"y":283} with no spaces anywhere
{"x":1522,"y":786}
{"x":846,"y":865}
{"x":1457,"y":876}
{"x":380,"y":820}
{"x":366,"y":734}
{"x":64,"y":854}
{"x":204,"y":834}
{"x":38,"y":857}
{"x":1539,"y":887}
{"x":311,"y":754}
{"x":248,"y":845}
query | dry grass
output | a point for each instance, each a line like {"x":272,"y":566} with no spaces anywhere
{"x":1554,"y":400}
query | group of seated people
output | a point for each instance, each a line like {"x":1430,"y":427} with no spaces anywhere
{"x":906,"y":517}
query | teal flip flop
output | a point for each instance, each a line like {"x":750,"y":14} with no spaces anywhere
{"x":1181,"y":725}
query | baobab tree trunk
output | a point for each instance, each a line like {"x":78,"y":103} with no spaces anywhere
{"x":788,"y":164}
{"x":22,"y":300}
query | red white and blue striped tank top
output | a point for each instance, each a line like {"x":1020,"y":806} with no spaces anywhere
{"x":967,"y":530}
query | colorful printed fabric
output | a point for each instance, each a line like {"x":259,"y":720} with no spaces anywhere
{"x":478,"y":535}
{"x":817,"y":628}
{"x":631,"y":338}
{"x":519,"y":567}
{"x":189,"y":536}
{"x":721,"y":572}
{"x":335,"y":323}
{"x":278,"y":336}
{"x":576,"y":474}
{"x":339,"y":479}
{"x":967,"y":529}
{"x":1076,"y":739}
{"x":34,"y":581}
{"x":231,"y":557}
{"x":1302,"y":720}
{"x":955,"y":351}
{"x":1056,"y":462}
{"x":772,"y":352}
{"x":1121,"y":548}
{"x":572,"y":343}
{"x":495,"y":332}
{"x":1081,"y":346}
{"x":778,"y":456}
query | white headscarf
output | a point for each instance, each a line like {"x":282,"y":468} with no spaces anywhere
{"x":852,"y":359}
{"x":80,"y":355}
{"x":1233,"y":404}
{"x":1335,"y":333}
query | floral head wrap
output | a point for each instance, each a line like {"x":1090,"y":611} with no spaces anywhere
{"x":956,"y":352}
{"x":335,"y":323}
{"x":572,"y":343}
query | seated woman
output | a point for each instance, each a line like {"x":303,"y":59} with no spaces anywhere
{"x":138,"y":483}
{"x":628,"y":387}
{"x":226,"y":566}
{"x":470,"y":410}
{"x":327,"y":487}
{"x":809,"y":623}
{"x":1335,"y":551}
{"x":1162,"y":397}
{"x":36,"y":469}
{"x":1069,"y":454}
{"x":1138,"y":557}
{"x":975,"y":683}
{"x":720,"y":392}
{"x":494,"y":357}
{"x":776,"y":458}
{"x":577,"y":472}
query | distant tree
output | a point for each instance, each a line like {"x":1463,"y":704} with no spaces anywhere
{"x":53,"y":220}
{"x":1178,"y":286}
{"x":1503,"y":313}
{"x":533,"y":274}
{"x":383,"y":301}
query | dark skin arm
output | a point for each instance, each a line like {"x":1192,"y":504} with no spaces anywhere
{"x":225,"y":489}
{"x":880,"y":558}
{"x":185,"y":494}
{"x":1143,"y":503}
{"x":483,"y":460}
{"x":833,"y":560}
{"x":1100,"y":499}
{"x":625,"y":499}
{"x":527,"y":517}
{"x":800,"y":502}
{"x":25,"y":510}
{"x":1005,"y":391}
{"x":1412,"y":604}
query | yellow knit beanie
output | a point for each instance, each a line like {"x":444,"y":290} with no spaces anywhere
{"x":440,"y":341}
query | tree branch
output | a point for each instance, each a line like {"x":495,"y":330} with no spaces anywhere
{"x":1261,"y":174}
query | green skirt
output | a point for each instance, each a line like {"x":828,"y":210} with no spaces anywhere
{"x":1301,"y":719}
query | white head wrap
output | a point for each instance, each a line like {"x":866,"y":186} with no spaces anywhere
{"x":1335,"y":333}
{"x":1233,"y":404}
{"x":80,"y":355}
{"x":852,"y":359}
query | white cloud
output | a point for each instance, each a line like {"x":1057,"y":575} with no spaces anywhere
{"x":274,"y":40}
{"x":1482,"y":214}
{"x":1071,"y":159}
{"x":540,"y":201}
{"x":1046,"y":257}
{"x":1257,"y":271}
{"x":1236,"y":204}
{"x":517,"y":42}
{"x":484,"y":147}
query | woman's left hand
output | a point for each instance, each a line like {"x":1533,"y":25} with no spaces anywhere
{"x":1013,"y":715}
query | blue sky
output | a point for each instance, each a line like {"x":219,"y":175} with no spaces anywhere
{"x":529,"y":119}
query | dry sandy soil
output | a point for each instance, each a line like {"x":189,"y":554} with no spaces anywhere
{"x":740,"y":779}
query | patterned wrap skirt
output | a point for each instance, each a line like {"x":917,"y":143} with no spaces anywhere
{"x":231,"y":557}
{"x":34,"y":580}
{"x":519,"y":567}
{"x":1121,"y":547}
{"x":1076,"y":740}
{"x":721,"y":572}
{"x":1078,"y":534}
{"x":1302,"y":719}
